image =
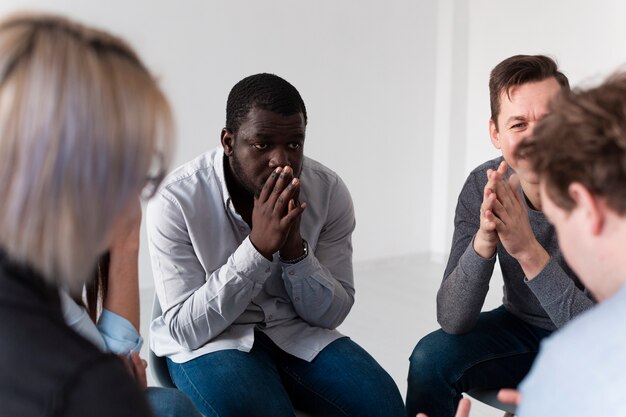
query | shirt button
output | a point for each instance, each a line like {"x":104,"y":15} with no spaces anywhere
{"x":292,"y":273}
{"x":268,"y":270}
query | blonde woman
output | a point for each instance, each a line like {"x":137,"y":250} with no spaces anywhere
{"x":81,"y":123}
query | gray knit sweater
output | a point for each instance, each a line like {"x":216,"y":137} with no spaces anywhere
{"x":549,"y":301}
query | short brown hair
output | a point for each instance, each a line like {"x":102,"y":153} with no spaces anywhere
{"x":518,"y":70}
{"x":583,"y":140}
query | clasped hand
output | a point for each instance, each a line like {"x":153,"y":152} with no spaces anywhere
{"x":503,"y":216}
{"x":276,"y":216}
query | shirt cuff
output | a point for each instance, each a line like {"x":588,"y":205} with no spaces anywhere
{"x":474,"y":265}
{"x":248,"y":261}
{"x":551,"y":283}
{"x":119,"y":334}
{"x":302,"y":269}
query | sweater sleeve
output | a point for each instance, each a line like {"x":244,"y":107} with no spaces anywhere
{"x":466,"y":279}
{"x":558,"y":294}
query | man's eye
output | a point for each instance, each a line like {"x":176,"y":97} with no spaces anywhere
{"x":294,"y":145}
{"x":260,"y":146}
{"x":518,"y":126}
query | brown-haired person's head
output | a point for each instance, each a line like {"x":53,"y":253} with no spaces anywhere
{"x":579,"y":154}
{"x":583,"y":140}
{"x":83,"y":127}
{"x":517,"y":70}
{"x":520,"y":89}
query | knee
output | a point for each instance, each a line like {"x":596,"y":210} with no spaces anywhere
{"x":432,"y":359}
{"x":384,"y":400}
{"x":170,"y":402}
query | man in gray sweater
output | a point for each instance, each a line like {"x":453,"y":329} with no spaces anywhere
{"x":498,"y":215}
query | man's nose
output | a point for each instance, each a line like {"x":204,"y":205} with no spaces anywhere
{"x":279,"y":158}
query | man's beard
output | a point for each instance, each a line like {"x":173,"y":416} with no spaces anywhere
{"x":236,"y":168}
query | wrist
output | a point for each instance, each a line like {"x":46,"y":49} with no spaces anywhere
{"x":293,"y":257}
{"x":483,"y":247}
{"x":266,"y":254}
{"x":533,"y":260}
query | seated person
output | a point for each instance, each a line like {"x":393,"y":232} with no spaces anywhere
{"x":252,"y":258}
{"x":579,"y":154}
{"x":112,"y":301}
{"x":498,"y":215}
{"x":81,"y":124}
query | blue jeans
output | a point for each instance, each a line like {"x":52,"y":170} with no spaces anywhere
{"x":343,"y":380}
{"x":497,"y":353}
{"x":170,"y":402}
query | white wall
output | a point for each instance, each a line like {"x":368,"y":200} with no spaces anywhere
{"x":365,"y":69}
{"x":586,"y":38}
{"x":396,"y":90}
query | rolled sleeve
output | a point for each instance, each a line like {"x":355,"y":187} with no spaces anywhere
{"x":120,"y":336}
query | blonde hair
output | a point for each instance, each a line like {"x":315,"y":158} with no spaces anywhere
{"x":82,"y":124}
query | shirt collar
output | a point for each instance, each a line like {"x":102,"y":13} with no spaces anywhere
{"x":218,"y":164}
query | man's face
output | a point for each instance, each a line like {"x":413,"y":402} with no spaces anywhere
{"x":520,"y":111}
{"x":264,"y":141}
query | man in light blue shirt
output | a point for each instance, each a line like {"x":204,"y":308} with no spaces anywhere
{"x":252,"y":259}
{"x":580,"y":155}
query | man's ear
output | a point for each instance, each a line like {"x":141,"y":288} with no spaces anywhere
{"x":591,"y":208}
{"x":227,"y":139}
{"x":493,"y":133}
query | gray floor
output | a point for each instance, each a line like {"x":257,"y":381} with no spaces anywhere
{"x":394,"y":308}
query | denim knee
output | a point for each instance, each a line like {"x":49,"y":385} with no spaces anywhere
{"x":170,"y":402}
{"x":431,"y":359}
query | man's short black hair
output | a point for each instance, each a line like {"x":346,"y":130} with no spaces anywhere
{"x":264,"y":91}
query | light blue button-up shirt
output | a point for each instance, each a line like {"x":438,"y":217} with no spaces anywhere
{"x":113,"y":333}
{"x":215,"y":288}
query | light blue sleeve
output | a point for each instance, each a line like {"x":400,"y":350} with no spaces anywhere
{"x":112,"y":334}
{"x":77,"y":318}
{"x":118,"y":333}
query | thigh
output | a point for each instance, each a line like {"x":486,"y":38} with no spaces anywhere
{"x":497,"y":352}
{"x":233,"y":383}
{"x":170,"y":402}
{"x":342,"y":380}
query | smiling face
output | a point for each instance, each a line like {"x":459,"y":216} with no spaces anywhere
{"x":265,"y":141}
{"x":520,"y":111}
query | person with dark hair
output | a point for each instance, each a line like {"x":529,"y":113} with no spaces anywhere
{"x":108,"y":315}
{"x":579,"y":154}
{"x":252,"y":258}
{"x":498,"y":215}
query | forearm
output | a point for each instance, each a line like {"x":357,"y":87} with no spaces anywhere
{"x":318,"y":297}
{"x":558,"y":294}
{"x":196,"y":315}
{"x":462,"y":293}
{"x":123,"y":285}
